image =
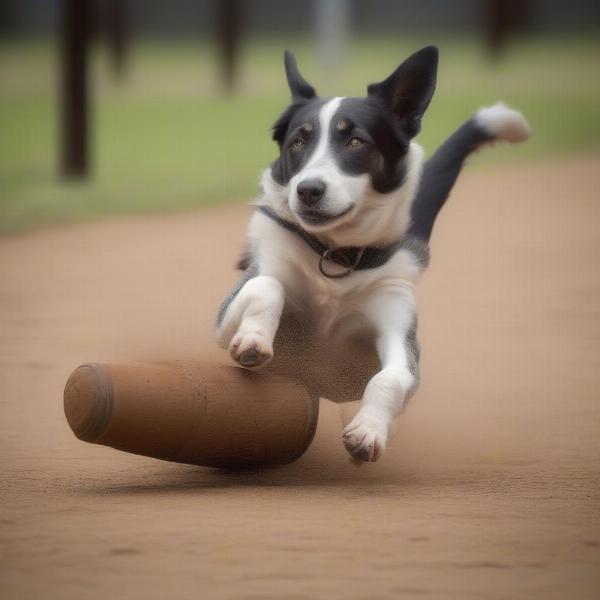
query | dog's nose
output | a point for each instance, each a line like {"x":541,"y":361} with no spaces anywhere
{"x":310,"y":191}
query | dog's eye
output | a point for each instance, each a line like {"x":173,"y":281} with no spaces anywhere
{"x":355,"y":142}
{"x":297,"y":144}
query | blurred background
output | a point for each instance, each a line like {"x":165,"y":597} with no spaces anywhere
{"x":489,"y":488}
{"x":111,"y":106}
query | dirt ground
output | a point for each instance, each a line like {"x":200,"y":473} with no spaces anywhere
{"x":490,"y":488}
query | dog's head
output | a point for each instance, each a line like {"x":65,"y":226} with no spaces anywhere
{"x":336,"y":153}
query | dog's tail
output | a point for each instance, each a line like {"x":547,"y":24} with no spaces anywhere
{"x":498,"y":122}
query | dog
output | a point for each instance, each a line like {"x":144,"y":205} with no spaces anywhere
{"x":341,"y":231}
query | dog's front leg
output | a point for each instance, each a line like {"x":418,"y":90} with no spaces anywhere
{"x":249,"y":320}
{"x":393,"y":314}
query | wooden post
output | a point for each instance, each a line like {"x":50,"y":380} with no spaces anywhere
{"x":116,"y":30}
{"x":502,"y":19}
{"x":228,"y":42}
{"x":74,"y":97}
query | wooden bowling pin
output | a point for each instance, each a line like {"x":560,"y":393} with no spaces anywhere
{"x":189,"y":412}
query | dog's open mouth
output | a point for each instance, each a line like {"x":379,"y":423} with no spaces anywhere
{"x":317,"y":217}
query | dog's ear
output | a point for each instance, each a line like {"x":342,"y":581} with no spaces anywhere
{"x":408,"y":90}
{"x":300,"y":88}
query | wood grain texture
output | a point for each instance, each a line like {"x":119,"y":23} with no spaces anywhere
{"x":192,"y":412}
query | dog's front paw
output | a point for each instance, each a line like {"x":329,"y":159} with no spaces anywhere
{"x":250,"y":350}
{"x":365,"y":438}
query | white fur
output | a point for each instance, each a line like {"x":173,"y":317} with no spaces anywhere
{"x":503,"y":123}
{"x":391,"y":310}
{"x":253,"y":318}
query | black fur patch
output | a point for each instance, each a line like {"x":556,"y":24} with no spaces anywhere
{"x":383,"y":148}
{"x":291,"y":127}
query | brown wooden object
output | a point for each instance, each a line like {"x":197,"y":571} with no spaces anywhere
{"x":192,"y":412}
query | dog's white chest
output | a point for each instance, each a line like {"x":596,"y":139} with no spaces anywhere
{"x":328,"y":300}
{"x":331,"y":300}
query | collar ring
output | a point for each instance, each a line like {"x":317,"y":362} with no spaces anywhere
{"x":327,"y":255}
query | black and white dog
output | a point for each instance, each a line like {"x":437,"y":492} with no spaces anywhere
{"x":342,"y":228}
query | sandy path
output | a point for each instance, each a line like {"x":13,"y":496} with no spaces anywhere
{"x":489,"y":490}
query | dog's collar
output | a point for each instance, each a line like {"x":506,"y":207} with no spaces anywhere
{"x":351,"y":257}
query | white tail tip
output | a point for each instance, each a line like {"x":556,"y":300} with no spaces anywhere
{"x":503,"y":123}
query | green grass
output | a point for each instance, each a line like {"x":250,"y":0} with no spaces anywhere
{"x":165,"y":139}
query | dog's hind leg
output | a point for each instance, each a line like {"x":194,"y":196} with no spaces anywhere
{"x":249,"y":318}
{"x":488,"y":125}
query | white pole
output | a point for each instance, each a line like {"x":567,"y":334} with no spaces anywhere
{"x":331,"y":27}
